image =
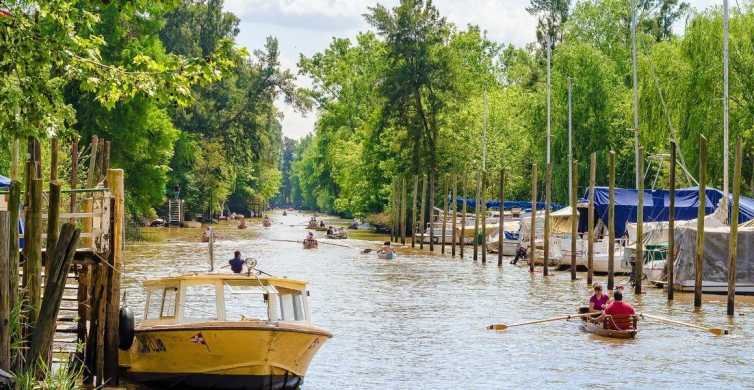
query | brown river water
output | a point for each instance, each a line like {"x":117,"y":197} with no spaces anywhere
{"x":418,"y":322}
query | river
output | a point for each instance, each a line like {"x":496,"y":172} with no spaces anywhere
{"x":418,"y":322}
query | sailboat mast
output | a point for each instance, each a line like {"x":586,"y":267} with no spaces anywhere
{"x":549,"y":53}
{"x":570,"y":137}
{"x":636,"y":92}
{"x":725,"y":107}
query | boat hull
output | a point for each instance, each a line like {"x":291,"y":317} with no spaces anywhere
{"x":234,"y":355}
{"x":386,"y":256}
{"x":599,"y":330}
{"x":715,"y":287}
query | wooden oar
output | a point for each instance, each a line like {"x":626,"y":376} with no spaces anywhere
{"x":504,"y":326}
{"x":322,"y":242}
{"x":715,"y":331}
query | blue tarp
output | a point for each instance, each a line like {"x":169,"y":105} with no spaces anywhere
{"x":656,"y":205}
{"x":4,"y":182}
{"x":507,"y":205}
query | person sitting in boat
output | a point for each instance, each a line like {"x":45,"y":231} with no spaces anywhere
{"x":598,"y":300}
{"x":619,"y":312}
{"x":236,"y":263}
{"x":386,"y":248}
{"x":330,"y":230}
{"x":321,"y":224}
{"x":242,"y":224}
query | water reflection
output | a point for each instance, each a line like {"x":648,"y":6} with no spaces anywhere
{"x":418,"y":321}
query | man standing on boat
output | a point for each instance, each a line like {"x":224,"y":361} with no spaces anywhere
{"x":236,"y":263}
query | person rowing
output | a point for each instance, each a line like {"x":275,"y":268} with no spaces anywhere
{"x":617,"y":312}
{"x":386,"y":249}
{"x":598,"y":300}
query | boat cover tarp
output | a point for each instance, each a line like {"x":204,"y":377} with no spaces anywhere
{"x":656,"y":205}
{"x":4,"y":182}
{"x":507,"y":205}
{"x":715,"y":262}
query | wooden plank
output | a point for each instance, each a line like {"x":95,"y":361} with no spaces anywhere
{"x":590,"y":218}
{"x":53,"y":210}
{"x":14,"y":203}
{"x":699,"y":259}
{"x":116,"y":182}
{"x":733,"y":241}
{"x":611,"y":223}
{"x":34,"y":253}
{"x":533,"y":229}
{"x":671,"y":223}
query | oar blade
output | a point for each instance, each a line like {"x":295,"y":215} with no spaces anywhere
{"x":718,"y":331}
{"x":497,"y":327}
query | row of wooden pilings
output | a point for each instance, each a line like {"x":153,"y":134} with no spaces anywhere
{"x":33,"y":280}
{"x":424,"y":195}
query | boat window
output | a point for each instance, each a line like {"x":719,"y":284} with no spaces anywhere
{"x":200,"y":303}
{"x":245,"y":302}
{"x":292,"y":307}
{"x":154,"y":305}
{"x":168,"y":302}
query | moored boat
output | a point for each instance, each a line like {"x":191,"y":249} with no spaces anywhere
{"x":337,"y":233}
{"x":310,"y":243}
{"x":224,"y":332}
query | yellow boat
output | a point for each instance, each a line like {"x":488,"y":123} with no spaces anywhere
{"x":215,"y":331}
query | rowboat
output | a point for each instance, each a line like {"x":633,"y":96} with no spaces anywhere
{"x":601,"y":329}
{"x":337,"y":234}
{"x":266,"y":222}
{"x":386,"y":255}
{"x":220,"y":331}
{"x":310,"y":243}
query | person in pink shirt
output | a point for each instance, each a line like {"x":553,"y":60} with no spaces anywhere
{"x":598,"y":300}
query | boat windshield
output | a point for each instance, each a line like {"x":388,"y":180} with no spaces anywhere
{"x":199,"y":303}
{"x":247,"y":302}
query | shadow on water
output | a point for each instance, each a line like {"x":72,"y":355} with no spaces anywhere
{"x":419,"y":321}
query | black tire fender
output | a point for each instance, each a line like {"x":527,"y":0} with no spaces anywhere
{"x":126,"y":327}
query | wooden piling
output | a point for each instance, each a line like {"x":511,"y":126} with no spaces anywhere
{"x":404,"y":217}
{"x":476,"y":215}
{"x":533,"y":228}
{"x":611,"y":223}
{"x":501,"y":221}
{"x":53,"y":212}
{"x":483,"y":206}
{"x":548,"y":180}
{"x":444,"y":212}
{"x":431,"y":210}
{"x":14,"y":204}
{"x":590,"y":220}
{"x":57,"y":272}
{"x":5,"y":287}
{"x":33,"y":241}
{"x":639,"y":261}
{"x":394,"y":211}
{"x":91,"y":180}
{"x":74,"y":179}
{"x":413,"y":212}
{"x":574,"y":216}
{"x":421,"y":211}
{"x":462,"y":240}
{"x":733,"y":241}
{"x":670,"y":257}
{"x":699,"y":259}
{"x":455,"y":208}
{"x":114,"y":271}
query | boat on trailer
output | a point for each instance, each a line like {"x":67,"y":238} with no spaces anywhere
{"x":221,"y":331}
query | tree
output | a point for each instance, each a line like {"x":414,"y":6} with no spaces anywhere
{"x":552,"y":14}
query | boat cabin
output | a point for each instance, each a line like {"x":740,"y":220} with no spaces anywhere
{"x":218,"y":297}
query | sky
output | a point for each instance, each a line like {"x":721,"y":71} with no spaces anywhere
{"x":308,"y":26}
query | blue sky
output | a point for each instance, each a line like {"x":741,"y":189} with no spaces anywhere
{"x":307,"y":26}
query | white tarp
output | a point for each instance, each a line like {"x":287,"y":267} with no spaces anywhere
{"x":715,"y":261}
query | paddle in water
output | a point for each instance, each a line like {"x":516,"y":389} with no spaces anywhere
{"x":715,"y":331}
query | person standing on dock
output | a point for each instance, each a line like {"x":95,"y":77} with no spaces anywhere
{"x":236,"y":263}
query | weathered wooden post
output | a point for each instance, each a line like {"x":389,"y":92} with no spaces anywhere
{"x":33,"y":241}
{"x":404,"y":217}
{"x":533,"y":228}
{"x":733,"y":243}
{"x":462,"y":239}
{"x":476,"y":216}
{"x":444,"y":212}
{"x":413,"y":212}
{"x":53,"y":209}
{"x":14,"y":204}
{"x":59,"y":263}
{"x":699,"y":259}
{"x":431,"y":210}
{"x":393,"y":206}
{"x":74,"y":179}
{"x":5,"y":288}
{"x":574,"y":216}
{"x":611,"y":223}
{"x":639,"y":263}
{"x":114,"y":271}
{"x":455,"y":208}
{"x":590,"y":219}
{"x":421,"y":212}
{"x":501,"y":221}
{"x":670,"y":262}
{"x":548,"y":180}
{"x":483,"y":217}
{"x":91,"y":179}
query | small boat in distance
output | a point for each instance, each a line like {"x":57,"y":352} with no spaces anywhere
{"x":266,"y":222}
{"x":221,"y":331}
{"x":310,"y":243}
{"x":336,"y":233}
